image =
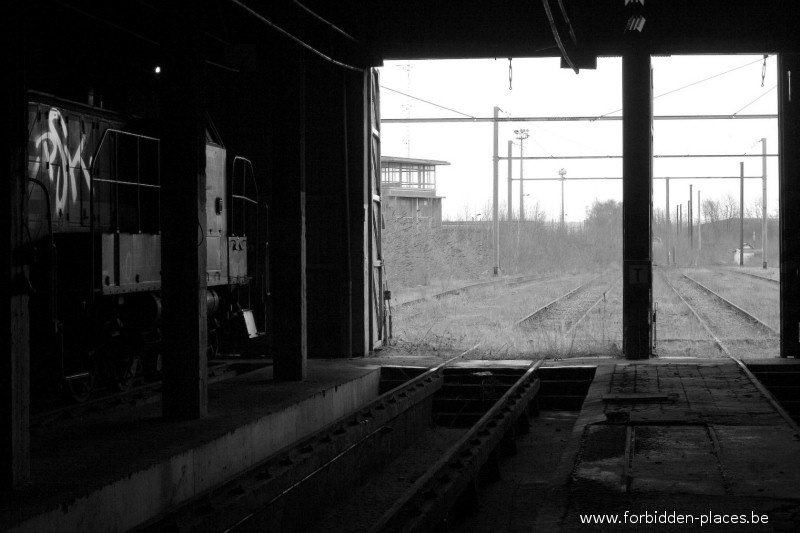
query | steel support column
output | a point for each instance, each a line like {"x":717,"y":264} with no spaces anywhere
{"x":183,"y":215}
{"x":287,"y":216}
{"x":14,"y":320}
{"x":789,"y":139}
{"x":637,"y":194}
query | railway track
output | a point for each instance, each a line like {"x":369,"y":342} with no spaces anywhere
{"x":769,"y":281}
{"x":410,"y":473}
{"x":734,"y":331}
{"x":507,"y":282}
{"x":569,"y":310}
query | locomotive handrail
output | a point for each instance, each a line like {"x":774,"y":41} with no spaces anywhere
{"x":93,"y":178}
{"x":245,"y":198}
{"x":122,"y":182}
{"x":103,"y":140}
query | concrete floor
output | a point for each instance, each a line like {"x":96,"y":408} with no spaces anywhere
{"x":686,"y":436}
{"x":114,"y":470}
{"x":655,"y":437}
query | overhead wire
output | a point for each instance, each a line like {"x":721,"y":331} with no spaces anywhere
{"x":297,"y":40}
{"x":427,"y":102}
{"x":693,"y":84}
{"x":326,"y":22}
{"x":756,"y":100}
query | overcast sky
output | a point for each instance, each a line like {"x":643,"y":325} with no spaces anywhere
{"x":541,"y":88}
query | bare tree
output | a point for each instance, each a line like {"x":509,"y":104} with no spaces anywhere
{"x":730,"y":210}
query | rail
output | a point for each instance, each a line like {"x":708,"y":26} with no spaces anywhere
{"x":747,"y":316}
{"x":510,"y":282}
{"x":550,"y":305}
{"x":724,"y":349}
{"x":750,"y":274}
{"x":428,"y":500}
{"x":338,"y":439}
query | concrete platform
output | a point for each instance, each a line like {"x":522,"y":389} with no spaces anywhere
{"x":112,"y":472}
{"x":693,"y":438}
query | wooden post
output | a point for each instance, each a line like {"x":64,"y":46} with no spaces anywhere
{"x":14,"y":319}
{"x":183,"y":219}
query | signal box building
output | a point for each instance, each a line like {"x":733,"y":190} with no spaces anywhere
{"x":408,"y":189}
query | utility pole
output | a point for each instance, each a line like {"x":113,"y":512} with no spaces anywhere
{"x":741,"y":213}
{"x":763,"y":202}
{"x":510,"y":202}
{"x":563,"y":174}
{"x":668,"y":225}
{"x":699,"y":226}
{"x":521,"y":134}
{"x":496,"y":195}
{"x":690,"y":226}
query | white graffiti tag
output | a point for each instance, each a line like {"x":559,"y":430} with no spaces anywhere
{"x":62,"y":163}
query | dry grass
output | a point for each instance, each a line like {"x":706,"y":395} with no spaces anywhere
{"x":754,"y":296}
{"x":488,"y":316}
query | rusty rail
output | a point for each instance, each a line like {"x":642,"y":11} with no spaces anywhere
{"x":428,"y":501}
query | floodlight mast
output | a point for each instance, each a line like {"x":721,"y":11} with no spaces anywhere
{"x":521,"y":134}
{"x":563,"y":174}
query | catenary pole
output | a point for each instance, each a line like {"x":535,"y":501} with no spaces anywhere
{"x":495,"y":195}
{"x":764,"y":202}
{"x":741,"y":214}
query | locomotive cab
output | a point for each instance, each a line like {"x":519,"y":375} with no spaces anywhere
{"x":93,"y":221}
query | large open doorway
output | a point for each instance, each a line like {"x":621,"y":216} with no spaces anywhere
{"x":553,"y":286}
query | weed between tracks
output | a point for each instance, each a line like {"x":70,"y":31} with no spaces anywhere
{"x":488,"y":315}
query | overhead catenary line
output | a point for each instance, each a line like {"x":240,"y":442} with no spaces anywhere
{"x":665,"y":156}
{"x":600,"y":178}
{"x":757,"y":99}
{"x":572,"y":119}
{"x":425,"y":101}
{"x":694,"y":83}
{"x":285,"y":33}
{"x":326,"y":22}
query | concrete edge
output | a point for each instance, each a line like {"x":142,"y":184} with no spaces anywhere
{"x":143,"y":495}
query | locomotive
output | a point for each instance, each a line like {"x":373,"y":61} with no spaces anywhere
{"x":93,"y":231}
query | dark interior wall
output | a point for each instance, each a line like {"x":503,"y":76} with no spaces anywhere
{"x":327,"y":211}
{"x":76,"y":50}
